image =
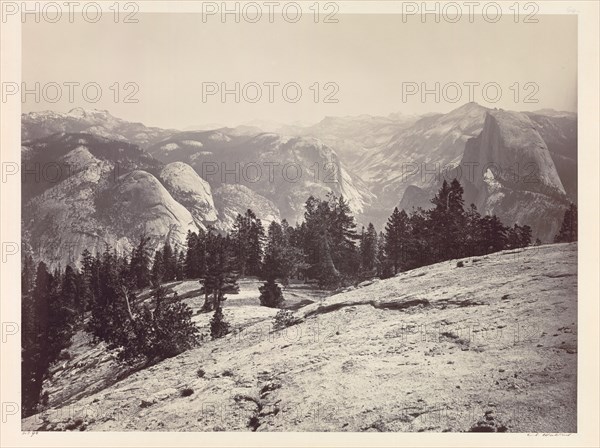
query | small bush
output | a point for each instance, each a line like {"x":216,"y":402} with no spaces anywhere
{"x":270,"y":294}
{"x":283,"y":319}
{"x":200,"y":373}
{"x":218,"y":326}
{"x":187,"y":392}
{"x":156,"y":334}
{"x":460,"y":264}
{"x":227,"y":373}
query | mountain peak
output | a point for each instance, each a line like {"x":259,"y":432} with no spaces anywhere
{"x":471,"y":106}
{"x":80,"y":112}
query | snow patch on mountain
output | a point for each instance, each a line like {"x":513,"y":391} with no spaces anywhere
{"x":169,"y":147}
{"x":195,"y":143}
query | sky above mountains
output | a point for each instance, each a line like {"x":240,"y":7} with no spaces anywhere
{"x":368,"y":57}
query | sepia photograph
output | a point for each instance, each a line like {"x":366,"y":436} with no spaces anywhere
{"x":289,"y":217}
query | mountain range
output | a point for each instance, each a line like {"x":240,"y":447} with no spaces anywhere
{"x":90,"y":179}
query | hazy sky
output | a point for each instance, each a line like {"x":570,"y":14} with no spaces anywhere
{"x":369,"y":57}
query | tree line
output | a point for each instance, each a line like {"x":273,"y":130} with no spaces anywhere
{"x":107,"y":295}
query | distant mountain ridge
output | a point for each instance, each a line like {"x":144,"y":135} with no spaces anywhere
{"x":376,"y":163}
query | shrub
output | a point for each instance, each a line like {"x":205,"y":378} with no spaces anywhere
{"x":270,"y":294}
{"x":283,"y":319}
{"x":201,"y":373}
{"x":187,"y":392}
{"x":164,"y":332}
{"x":460,"y":264}
{"x":218,"y":326}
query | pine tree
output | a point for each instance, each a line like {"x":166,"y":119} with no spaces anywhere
{"x":525,"y":236}
{"x":293,"y":258}
{"x":140,"y":263}
{"x":472,"y":237}
{"x":396,"y":238}
{"x":256,"y":237}
{"x":88,"y":276}
{"x":273,"y":252}
{"x":568,"y":229}
{"x":27,"y":273}
{"x":384,"y":268}
{"x":153,"y":335}
{"x":107,"y":312}
{"x":35,"y":361}
{"x":494,"y":234}
{"x":218,"y":326}
{"x":71,"y":293}
{"x":220,"y":276}
{"x":420,"y":247}
{"x":513,"y":235}
{"x":158,"y":269}
{"x":270,"y":294}
{"x":62,"y":313}
{"x":241,"y":243}
{"x":328,"y":275}
{"x":343,"y":237}
{"x":447,"y":221}
{"x":169,"y":262}
{"x":180,"y":271}
{"x":191,"y":256}
{"x":368,"y":252}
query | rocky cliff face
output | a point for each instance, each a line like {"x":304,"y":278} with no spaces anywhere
{"x":82,"y":191}
{"x":559,"y":132}
{"x":232,"y":199}
{"x":284,"y":170}
{"x":139,"y":204}
{"x":507,"y":170}
{"x":418,"y":154}
{"x":86,"y":192}
{"x":190,"y":190}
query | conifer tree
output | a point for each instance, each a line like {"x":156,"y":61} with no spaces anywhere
{"x":158,"y":269}
{"x":368,"y":252}
{"x":180,"y":271}
{"x":140,"y":263}
{"x":220,"y":276}
{"x":568,"y":229}
{"x":169,"y":262}
{"x":35,"y":361}
{"x":256,"y":237}
{"x":396,"y":239}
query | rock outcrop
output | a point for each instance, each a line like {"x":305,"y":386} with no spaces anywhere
{"x":507,"y":170}
{"x":190,"y":190}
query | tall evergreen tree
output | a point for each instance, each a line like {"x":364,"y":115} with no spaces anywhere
{"x":525,"y":236}
{"x":158,"y":269}
{"x":169,"y":262}
{"x":140,"y":263}
{"x":35,"y":361}
{"x":180,"y":270}
{"x":256,"y":237}
{"x":396,"y":239}
{"x":568,"y":229}
{"x":494,"y":234}
{"x":220,"y":276}
{"x":368,"y":252}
